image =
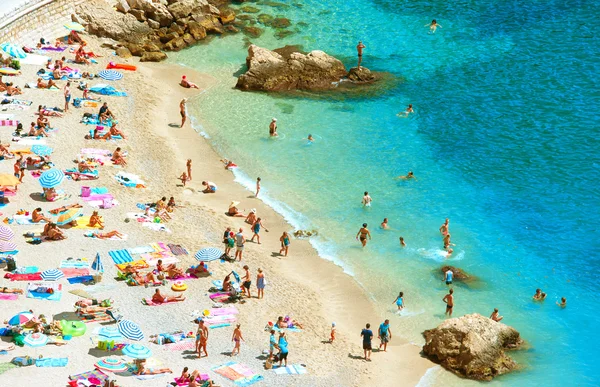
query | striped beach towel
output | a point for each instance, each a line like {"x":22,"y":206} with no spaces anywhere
{"x":180,"y":346}
{"x":70,"y":263}
{"x":9,"y":122}
{"x":295,"y":369}
{"x":120,"y":256}
{"x":177,"y":249}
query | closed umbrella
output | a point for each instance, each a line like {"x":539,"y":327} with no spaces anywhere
{"x":51,"y":178}
{"x":110,"y":75}
{"x":21,"y":318}
{"x":6,"y":234}
{"x":41,"y":150}
{"x":68,"y":216}
{"x":13,"y":50}
{"x":208,"y":254}
{"x":109,"y":334}
{"x":36,"y":340}
{"x":111,"y":365}
{"x":6,"y":246}
{"x":72,"y":26}
{"x":52,"y":275}
{"x":130,"y":330}
{"x":137,"y":351}
{"x":97,"y":264}
{"x":7,"y":179}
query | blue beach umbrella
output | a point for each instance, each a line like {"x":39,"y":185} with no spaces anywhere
{"x":110,"y":75}
{"x":109,"y":334}
{"x":36,"y":340}
{"x":52,"y":275}
{"x":41,"y":150}
{"x":51,"y":178}
{"x":130,"y":330}
{"x":208,"y":254}
{"x":137,"y":351}
{"x":13,"y":50}
{"x":97,"y":264}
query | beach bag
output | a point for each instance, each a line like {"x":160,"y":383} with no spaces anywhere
{"x":107,"y":203}
{"x":86,"y":192}
{"x":269,"y":364}
{"x":23,"y":361}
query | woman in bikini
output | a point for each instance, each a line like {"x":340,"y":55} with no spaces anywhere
{"x":13,"y":290}
{"x":363,"y":233}
{"x":143,"y":370}
{"x":237,"y":338}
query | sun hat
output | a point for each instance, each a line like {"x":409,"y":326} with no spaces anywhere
{"x":233,"y":204}
{"x":274,"y":119}
{"x":253,"y":210}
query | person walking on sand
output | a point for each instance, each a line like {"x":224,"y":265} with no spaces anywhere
{"x":67,"y":92}
{"x":188,"y":166}
{"x":237,"y":338}
{"x":433,"y":26}
{"x":182,"y":111}
{"x":257,"y":186}
{"x":399,"y":301}
{"x":363,"y":233}
{"x":359,"y":49}
{"x":332,"y":334}
{"x":367,"y":337}
{"x":260,"y":283}
{"x":184,"y":178}
{"x":247,"y":282}
{"x":449,"y":300}
{"x":240,"y":240}
{"x":366,"y":200}
{"x":385,"y":334}
{"x":201,"y":338}
{"x":285,"y":243}
{"x":273,"y":128}
{"x":495,"y":316}
{"x":256,"y":230}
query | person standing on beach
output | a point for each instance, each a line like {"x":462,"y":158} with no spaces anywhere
{"x":332,"y":334}
{"x":201,"y":338}
{"x":240,"y":240}
{"x":273,"y":128}
{"x":260,"y":283}
{"x":399,"y":301}
{"x":247,"y":282}
{"x":448,"y":276}
{"x":182,"y":111}
{"x":237,"y":338}
{"x":366,"y":200}
{"x":495,"y":316}
{"x":188,"y":166}
{"x":445,"y":228}
{"x":385,"y":334}
{"x":367,"y":336}
{"x":285,"y":243}
{"x":257,"y":186}
{"x":363,"y":233}
{"x":67,"y":91}
{"x":256,"y":230}
{"x":449,"y":300}
{"x":359,"y":49}
{"x":282,"y":344}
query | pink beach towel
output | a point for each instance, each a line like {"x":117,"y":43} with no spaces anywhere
{"x":8,"y":296}
{"x":9,"y":122}
{"x":223,"y":311}
{"x":95,"y":151}
{"x":219,"y":295}
{"x":24,"y":277}
{"x":180,"y":346}
{"x":98,"y":197}
{"x":149,"y":302}
{"x":74,"y":272}
{"x":152,"y":258}
{"x":201,"y":377}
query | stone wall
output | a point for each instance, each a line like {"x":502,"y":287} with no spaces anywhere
{"x":43,"y":18}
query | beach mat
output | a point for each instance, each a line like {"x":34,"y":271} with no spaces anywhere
{"x":82,"y":223}
{"x":8,"y":296}
{"x":240,"y":374}
{"x":295,"y":369}
{"x":24,"y":277}
{"x":90,"y":374}
{"x":140,"y":250}
{"x":81,"y":279}
{"x":180,"y":346}
{"x":223,"y":311}
{"x":55,"y":296}
{"x":149,"y":302}
{"x":156,"y":227}
{"x":52,"y":362}
{"x":177,"y":249}
{"x":120,"y":256}
{"x":222,"y":325}
{"x":138,"y":265}
{"x":74,"y":264}
{"x":70,"y":272}
{"x":82,"y":293}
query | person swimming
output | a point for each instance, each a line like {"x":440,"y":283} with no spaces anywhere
{"x":310,"y":139}
{"x":433,"y":26}
{"x":405,"y":113}
{"x":402,"y":242}
{"x":563,"y":302}
{"x":408,"y":176}
{"x":366,"y":201}
{"x":384,"y":224}
{"x":539,"y":295}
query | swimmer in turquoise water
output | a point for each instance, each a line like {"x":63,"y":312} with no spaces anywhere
{"x":563,"y":303}
{"x":399,"y":301}
{"x":384,"y":224}
{"x":273,"y":128}
{"x":405,"y":113}
{"x":448,"y":276}
{"x":366,"y":201}
{"x":402,"y":242}
{"x":363,"y":233}
{"x":310,"y":139}
{"x":433,"y":26}
{"x":539,"y":295}
{"x":408,"y":176}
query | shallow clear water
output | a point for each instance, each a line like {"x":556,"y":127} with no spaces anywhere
{"x":503,"y":142}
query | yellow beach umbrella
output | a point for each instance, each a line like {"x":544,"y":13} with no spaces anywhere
{"x":8,"y":179}
{"x":68,"y":216}
{"x":9,"y":71}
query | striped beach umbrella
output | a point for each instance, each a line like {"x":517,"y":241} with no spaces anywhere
{"x":6,"y":246}
{"x":130,"y":330}
{"x":72,"y":26}
{"x":21,"y":318}
{"x":13,"y":50}
{"x":68,"y":216}
{"x":111,"y":365}
{"x":52,"y":275}
{"x":109,"y":334}
{"x":41,"y":150}
{"x":51,"y":178}
{"x":36,"y":340}
{"x":137,"y":351}
{"x":208,"y":254}
{"x":6,"y":233}
{"x":97,"y":264}
{"x":110,"y":75}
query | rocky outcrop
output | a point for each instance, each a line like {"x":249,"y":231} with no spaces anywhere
{"x":361,"y":75}
{"x":459,"y":275}
{"x":472,"y":346}
{"x":153,"y":57}
{"x":270,"y":71}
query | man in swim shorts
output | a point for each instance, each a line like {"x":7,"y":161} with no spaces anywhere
{"x":359,"y":48}
{"x":247,"y":282}
{"x":201,"y":337}
{"x":448,"y":276}
{"x":367,"y":335}
{"x":449,"y":300}
{"x":240,"y":240}
{"x":385,"y":334}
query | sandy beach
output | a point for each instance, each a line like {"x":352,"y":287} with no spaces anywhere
{"x":303,"y":286}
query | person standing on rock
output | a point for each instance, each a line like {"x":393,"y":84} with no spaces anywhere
{"x":273,"y":128}
{"x":182,"y":111}
{"x":385,"y":334}
{"x":449,"y":300}
{"x":448,"y":276}
{"x":359,"y":48}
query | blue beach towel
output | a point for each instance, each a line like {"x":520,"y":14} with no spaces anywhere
{"x":8,"y":253}
{"x":223,"y":325}
{"x":81,"y":279}
{"x":120,"y":256}
{"x":105,"y":89}
{"x":56,"y":296}
{"x":74,"y":264}
{"x":52,"y":362}
{"x":99,"y":190}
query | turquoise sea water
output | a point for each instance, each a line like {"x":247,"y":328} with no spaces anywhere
{"x":503,"y":142}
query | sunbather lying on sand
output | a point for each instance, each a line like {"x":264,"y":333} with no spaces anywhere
{"x":159,"y":298}
{"x":107,"y":235}
{"x":93,"y":309}
{"x":93,"y":302}
{"x":134,"y":278}
{"x":37,"y":216}
{"x":95,"y":220}
{"x":5,"y":152}
{"x":13,"y":90}
{"x":143,"y":370}
{"x":48,"y":112}
{"x":84,"y":167}
{"x":286,"y":322}
{"x":43,"y":85}
{"x":12,"y":290}
{"x":194,"y":379}
{"x":37,"y":162}
{"x":56,"y":211}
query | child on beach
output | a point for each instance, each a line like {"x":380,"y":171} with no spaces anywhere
{"x":257,"y":186}
{"x":332,"y":334}
{"x":184,"y":178}
{"x":237,"y":338}
{"x":399,"y":301}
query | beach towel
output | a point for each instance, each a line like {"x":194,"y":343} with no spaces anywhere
{"x":180,"y":345}
{"x":227,"y":318}
{"x":23,"y":220}
{"x":160,"y":246}
{"x":149,"y":302}
{"x":149,"y":377}
{"x":201,"y":377}
{"x":8,"y":296}
{"x":221,"y":325}
{"x":166,"y":260}
{"x":74,"y":272}
{"x":241,"y":374}
{"x":156,"y":227}
{"x":33,"y":59}
{"x":9,"y":122}
{"x":156,"y":255}
{"x":223,"y":311}
{"x":29,"y":140}
{"x":83,"y":221}
{"x":96,"y":152}
{"x":140,"y":250}
{"x":72,"y":263}
{"x":295,"y":369}
{"x":101,"y":197}
{"x":20,"y":102}
{"x":24,"y":277}
{"x":219,"y":285}
{"x":55,"y":296}
{"x":138,"y":265}
{"x":81,"y":279}
{"x":82,"y":293}
{"x":105,"y":89}
{"x":91,"y":234}
{"x":130,"y":180}
{"x":95,"y":120}
{"x":177,"y":249}
{"x":100,"y":288}
{"x":26,"y":270}
{"x":53,"y":48}
{"x":95,"y":317}
{"x":218,"y":295}
{"x":120,"y":256}
{"x":52,"y":362}
{"x":90,"y":374}
{"x":139,"y":217}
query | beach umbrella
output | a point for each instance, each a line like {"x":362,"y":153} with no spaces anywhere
{"x":68,"y":216}
{"x":137,"y":351}
{"x":36,"y":340}
{"x":72,"y":26}
{"x":21,"y":318}
{"x":13,"y":50}
{"x":51,"y":178}
{"x":6,"y":246}
{"x":97,"y":264}
{"x":7,"y":179}
{"x":52,"y":275}
{"x":110,"y":75}
{"x":111,"y":365}
{"x":208,"y":254}
{"x":41,"y":150}
{"x":6,"y":233}
{"x":130,"y":330}
{"x":109,"y":334}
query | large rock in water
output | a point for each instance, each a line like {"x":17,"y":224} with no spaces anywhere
{"x":472,"y":346}
{"x":270,"y":71}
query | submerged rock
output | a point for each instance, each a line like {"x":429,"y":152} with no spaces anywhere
{"x":250,"y":9}
{"x":472,"y":346}
{"x":280,"y":22}
{"x":283,"y":34}
{"x":361,"y":74}
{"x":265,"y":19}
{"x":253,"y":32}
